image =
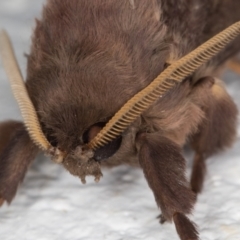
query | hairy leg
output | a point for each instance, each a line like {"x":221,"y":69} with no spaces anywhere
{"x":216,"y":132}
{"x":16,"y":153}
{"x":164,"y":169}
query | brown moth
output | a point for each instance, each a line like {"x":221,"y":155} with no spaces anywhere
{"x":125,"y":82}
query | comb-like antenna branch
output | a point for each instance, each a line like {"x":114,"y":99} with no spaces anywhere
{"x":177,"y":72}
{"x":20,"y":93}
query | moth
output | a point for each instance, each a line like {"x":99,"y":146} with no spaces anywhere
{"x":125,"y":82}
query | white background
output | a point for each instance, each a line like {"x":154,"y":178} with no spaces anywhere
{"x":52,"y":204}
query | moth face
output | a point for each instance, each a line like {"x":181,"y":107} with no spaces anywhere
{"x":74,"y":143}
{"x":82,"y":161}
{"x":105,"y":151}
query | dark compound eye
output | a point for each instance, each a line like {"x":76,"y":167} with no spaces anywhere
{"x":49,"y":133}
{"x":108,"y":150}
{"x":92,"y":131}
{"x":105,"y":151}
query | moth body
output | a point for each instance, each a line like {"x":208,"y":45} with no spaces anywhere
{"x":88,"y":58}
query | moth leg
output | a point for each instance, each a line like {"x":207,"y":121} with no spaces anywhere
{"x":164,"y":169}
{"x":161,"y":218}
{"x":216,"y":132}
{"x":16,"y":153}
{"x":198,"y":173}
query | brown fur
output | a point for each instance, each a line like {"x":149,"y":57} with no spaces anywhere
{"x":7,"y":129}
{"x":89,"y":57}
{"x":217,"y":131}
{"x":185,"y":228}
{"x":164,"y":169}
{"x":15,"y":158}
{"x":198,"y":173}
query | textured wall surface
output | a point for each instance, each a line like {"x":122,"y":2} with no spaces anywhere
{"x":52,"y":204}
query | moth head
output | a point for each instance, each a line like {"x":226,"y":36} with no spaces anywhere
{"x":75,"y":145}
{"x":102,"y":139}
{"x":83,"y":161}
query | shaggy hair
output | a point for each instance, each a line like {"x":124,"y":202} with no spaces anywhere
{"x":89,"y":57}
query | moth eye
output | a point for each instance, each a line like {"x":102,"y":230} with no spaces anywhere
{"x":108,"y":150}
{"x":105,"y":151}
{"x":49,"y":133}
{"x":92,"y":131}
{"x":53,"y":141}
